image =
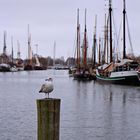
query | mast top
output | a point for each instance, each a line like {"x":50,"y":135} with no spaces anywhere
{"x":124,"y":6}
{"x":4,"y":47}
{"x":95,"y":26}
{"x":85,"y":16}
{"x":78,"y":17}
{"x":110,"y":3}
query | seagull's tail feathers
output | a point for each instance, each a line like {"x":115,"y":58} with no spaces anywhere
{"x":40,"y":91}
{"x":42,"y":87}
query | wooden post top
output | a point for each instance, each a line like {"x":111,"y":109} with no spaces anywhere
{"x":49,"y":99}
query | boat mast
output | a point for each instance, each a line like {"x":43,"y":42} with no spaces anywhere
{"x":124,"y":39}
{"x":110,"y":17}
{"x":94,"y":43}
{"x":99,"y":53}
{"x":105,"y":40}
{"x":4,"y":47}
{"x":12,"y":53}
{"x":18,"y":52}
{"x":85,"y":43}
{"x":78,"y":41}
{"x":29,"y":47}
{"x":28,"y":43}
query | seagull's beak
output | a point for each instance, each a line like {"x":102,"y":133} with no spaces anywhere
{"x":40,"y":91}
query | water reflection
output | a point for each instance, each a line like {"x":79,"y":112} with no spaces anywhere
{"x":120,"y":111}
{"x":99,"y":111}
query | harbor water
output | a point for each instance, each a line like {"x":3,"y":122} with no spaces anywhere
{"x":89,"y":110}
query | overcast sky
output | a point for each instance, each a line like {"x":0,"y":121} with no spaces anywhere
{"x":55,"y":20}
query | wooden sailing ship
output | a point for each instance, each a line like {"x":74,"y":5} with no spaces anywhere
{"x":28,"y":64}
{"x":4,"y":58}
{"x":19,"y":61}
{"x":82,"y":70}
{"x":123,"y":72}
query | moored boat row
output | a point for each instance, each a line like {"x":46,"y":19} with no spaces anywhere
{"x":125,"y":70}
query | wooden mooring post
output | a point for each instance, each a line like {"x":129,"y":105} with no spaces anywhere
{"x":48,"y":114}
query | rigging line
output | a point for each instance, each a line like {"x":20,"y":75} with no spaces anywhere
{"x":98,"y":49}
{"x":97,"y":45}
{"x":75,"y":52}
{"x":74,"y":48}
{"x":116,"y":40}
{"x":107,"y":38}
{"x":119,"y":37}
{"x":119,"y":34}
{"x":129,"y":36}
{"x":115,"y":29}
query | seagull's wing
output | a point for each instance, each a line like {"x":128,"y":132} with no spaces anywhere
{"x":48,"y":88}
{"x":42,"y":88}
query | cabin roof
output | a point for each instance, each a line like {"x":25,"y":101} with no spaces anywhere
{"x":123,"y":62}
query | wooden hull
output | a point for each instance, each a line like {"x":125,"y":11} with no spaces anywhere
{"x":39,"y":68}
{"x":84,"y":76}
{"x":28,"y":67}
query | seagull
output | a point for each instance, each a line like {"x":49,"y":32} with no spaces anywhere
{"x":47,"y":87}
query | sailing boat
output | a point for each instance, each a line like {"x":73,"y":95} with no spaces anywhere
{"x":13,"y":67}
{"x":4,"y":66}
{"x":124,"y":72}
{"x":19,"y":61}
{"x":38,"y":65}
{"x":29,"y":66}
{"x":82,"y":70}
{"x":74,"y":71}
